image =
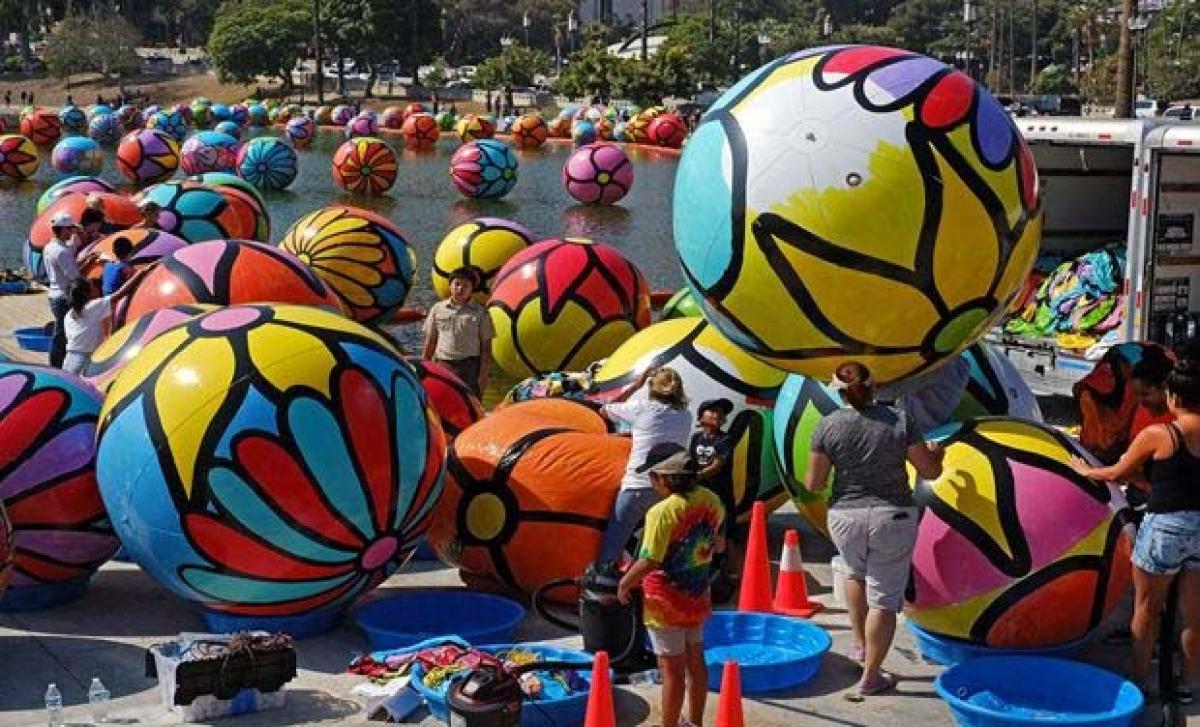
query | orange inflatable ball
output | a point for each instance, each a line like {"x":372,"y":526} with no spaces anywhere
{"x":42,"y":127}
{"x":667,"y":130}
{"x":391,"y":118}
{"x":420,"y":131}
{"x":530,"y":131}
{"x":225,"y":272}
{"x":529,"y":491}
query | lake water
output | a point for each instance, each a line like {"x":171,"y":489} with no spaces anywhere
{"x":426,"y":206}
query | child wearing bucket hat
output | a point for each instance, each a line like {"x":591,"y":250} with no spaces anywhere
{"x":683,"y":533}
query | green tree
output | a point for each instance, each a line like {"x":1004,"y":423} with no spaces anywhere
{"x":102,"y":43}
{"x":264,"y":38}
{"x":591,"y":72}
{"x":516,"y":65}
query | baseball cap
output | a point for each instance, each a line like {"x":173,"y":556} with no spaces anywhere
{"x":677,"y":464}
{"x":659,"y":454}
{"x":62,"y":219}
{"x":723,"y":406}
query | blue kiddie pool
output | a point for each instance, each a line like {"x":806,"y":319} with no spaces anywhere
{"x":558,"y":705}
{"x":948,"y":652}
{"x":33,"y":339}
{"x":417,"y":615}
{"x":772,"y":652}
{"x":992,"y":691}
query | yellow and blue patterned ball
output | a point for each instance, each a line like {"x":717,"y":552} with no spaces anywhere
{"x":485,"y":245}
{"x":856,"y":202}
{"x":711,"y":368}
{"x":269,"y":462}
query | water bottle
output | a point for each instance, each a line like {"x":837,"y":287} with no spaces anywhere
{"x":98,"y":700}
{"x":649,"y":677}
{"x":54,"y":705}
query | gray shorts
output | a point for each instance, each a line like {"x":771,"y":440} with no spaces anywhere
{"x":673,"y":641}
{"x":876,"y":544}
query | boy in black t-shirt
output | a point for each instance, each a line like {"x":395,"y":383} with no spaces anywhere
{"x":712,"y":449}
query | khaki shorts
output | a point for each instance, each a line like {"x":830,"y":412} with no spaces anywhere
{"x":673,"y":641}
{"x":876,"y":544}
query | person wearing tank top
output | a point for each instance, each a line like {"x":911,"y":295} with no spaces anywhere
{"x":1168,"y":541}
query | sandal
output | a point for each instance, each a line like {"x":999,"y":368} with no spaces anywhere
{"x":885,"y":683}
{"x":857,"y":653}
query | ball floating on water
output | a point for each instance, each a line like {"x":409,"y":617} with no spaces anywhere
{"x":267,"y":163}
{"x":323,"y":115}
{"x":472,"y":127}
{"x":257,"y":115}
{"x":147,"y":156}
{"x":18,"y":157}
{"x":485,"y":245}
{"x":530,"y":131}
{"x":225,"y":272}
{"x":295,"y":519}
{"x":365,"y":124}
{"x":73,"y":119}
{"x":1014,"y":549}
{"x":392,"y":117}
{"x":42,"y":127}
{"x":77,"y":155}
{"x":598,"y":173}
{"x":446,"y":120}
{"x":230,"y":128}
{"x":170,"y":123}
{"x":420,"y":132}
{"x":219,"y":112}
{"x":529,"y":490}
{"x":365,"y":259}
{"x":200,"y":212}
{"x":105,"y":129}
{"x":129,"y":117}
{"x":583,"y":133}
{"x":341,"y":115}
{"x":559,"y":305}
{"x":300,"y":131}
{"x":775,"y":243}
{"x":484,"y":169}
{"x":667,"y":130}
{"x":48,"y":484}
{"x":209,"y":151}
{"x":366,"y":165}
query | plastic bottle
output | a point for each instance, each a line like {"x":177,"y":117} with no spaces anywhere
{"x":650,"y":676}
{"x":54,"y":705}
{"x":98,"y":700}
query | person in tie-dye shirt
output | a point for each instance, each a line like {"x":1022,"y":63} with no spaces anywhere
{"x":683,"y":532}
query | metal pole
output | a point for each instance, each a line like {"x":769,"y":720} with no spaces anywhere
{"x":993,"y":42}
{"x":1012,"y":51}
{"x":645,"y":30}
{"x":1033,"y":53}
{"x":317,"y":51}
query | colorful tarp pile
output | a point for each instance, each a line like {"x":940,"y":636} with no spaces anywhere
{"x":1079,"y":301}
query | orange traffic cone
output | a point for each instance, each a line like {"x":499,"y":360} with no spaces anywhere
{"x":756,"y":570}
{"x":729,"y":708}
{"x":600,"y":711}
{"x":791,"y":593}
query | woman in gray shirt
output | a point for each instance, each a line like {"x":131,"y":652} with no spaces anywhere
{"x":872,"y":514}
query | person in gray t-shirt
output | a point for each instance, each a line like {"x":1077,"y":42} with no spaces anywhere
{"x":872,"y":516}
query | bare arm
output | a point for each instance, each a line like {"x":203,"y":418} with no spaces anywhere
{"x":431,"y":337}
{"x":819,"y":466}
{"x":926,"y":457}
{"x":1131,"y":463}
{"x":713,"y":468}
{"x":633,"y":578}
{"x":485,"y":362}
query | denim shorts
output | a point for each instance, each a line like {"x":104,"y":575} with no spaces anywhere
{"x":1168,"y":542}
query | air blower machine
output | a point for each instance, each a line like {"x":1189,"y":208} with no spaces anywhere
{"x":490,"y":695}
{"x":605,"y":623}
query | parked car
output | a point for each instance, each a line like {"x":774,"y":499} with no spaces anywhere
{"x":1145,"y":108}
{"x":1181,"y":112}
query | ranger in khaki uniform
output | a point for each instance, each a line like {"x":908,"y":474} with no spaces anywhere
{"x":458,"y":332}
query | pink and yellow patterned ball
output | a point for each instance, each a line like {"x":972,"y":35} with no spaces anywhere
{"x":300,"y":131}
{"x":598,"y":173}
{"x":365,"y":124}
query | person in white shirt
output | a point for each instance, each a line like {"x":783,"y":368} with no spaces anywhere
{"x":660,"y":416}
{"x":61,"y":271}
{"x":84,"y":322}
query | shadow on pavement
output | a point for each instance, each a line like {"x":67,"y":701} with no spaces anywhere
{"x":31,"y":662}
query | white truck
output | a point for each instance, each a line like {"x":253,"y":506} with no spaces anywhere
{"x":1107,"y":180}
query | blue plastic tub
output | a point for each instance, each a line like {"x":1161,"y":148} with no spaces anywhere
{"x":33,"y":339}
{"x":773,"y":652}
{"x":416,"y":615}
{"x":993,"y":691}
{"x":948,"y":652}
{"x":554,"y":709}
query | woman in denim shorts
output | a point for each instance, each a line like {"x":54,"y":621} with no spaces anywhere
{"x":872,"y":514}
{"x":1168,"y":542}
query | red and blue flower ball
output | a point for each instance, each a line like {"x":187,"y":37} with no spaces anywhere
{"x":484,"y":169}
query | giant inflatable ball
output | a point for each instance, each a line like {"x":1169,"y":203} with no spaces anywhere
{"x":365,"y":165}
{"x":529,"y":491}
{"x":147,"y":156}
{"x":76,"y":155}
{"x":598,"y":173}
{"x":198,"y":212}
{"x":126,"y":342}
{"x":995,"y":387}
{"x":119,"y":213}
{"x":169,"y":122}
{"x":484,"y":245}
{"x":473,"y":127}
{"x":267,"y":163}
{"x":225,"y":272}
{"x":769,"y":214}
{"x":711,"y":368}
{"x":300,"y":130}
{"x":18,"y":157}
{"x":70,"y":185}
{"x":42,"y":127}
{"x":270,"y":464}
{"x":559,"y":305}
{"x":73,"y":120}
{"x":530,"y":131}
{"x":484,"y":169}
{"x":148,"y":245}
{"x":420,"y":132}
{"x":48,"y":485}
{"x":1015,"y":550}
{"x":105,"y":129}
{"x":803,"y":402}
{"x":209,"y":151}
{"x":7,"y":549}
{"x":365,"y":259}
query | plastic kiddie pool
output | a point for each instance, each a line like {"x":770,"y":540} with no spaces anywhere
{"x":33,"y":339}
{"x":417,"y":615}
{"x":991,"y":691}
{"x":773,"y":652}
{"x":948,"y":652}
{"x":556,"y":706}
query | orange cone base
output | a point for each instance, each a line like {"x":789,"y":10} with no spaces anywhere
{"x":805,"y":611}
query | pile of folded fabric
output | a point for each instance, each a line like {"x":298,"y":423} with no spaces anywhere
{"x":1079,"y":301}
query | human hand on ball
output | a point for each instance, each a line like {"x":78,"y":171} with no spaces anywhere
{"x":1081,"y":467}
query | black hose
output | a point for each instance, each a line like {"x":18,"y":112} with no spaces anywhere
{"x":539,"y":606}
